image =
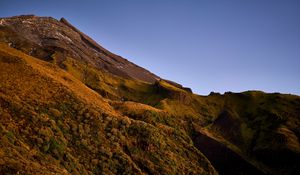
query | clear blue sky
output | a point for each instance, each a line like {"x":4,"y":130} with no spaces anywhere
{"x":208,"y":45}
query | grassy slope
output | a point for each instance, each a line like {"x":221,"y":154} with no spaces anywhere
{"x":262,"y":128}
{"x":254,"y":125}
{"x":51,"y":122}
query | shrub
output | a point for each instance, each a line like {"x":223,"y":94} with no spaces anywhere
{"x":56,"y":113}
{"x":10,"y":136}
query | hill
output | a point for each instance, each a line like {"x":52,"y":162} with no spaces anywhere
{"x":69,"y":106}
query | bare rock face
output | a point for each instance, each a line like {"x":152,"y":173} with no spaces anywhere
{"x":53,"y":40}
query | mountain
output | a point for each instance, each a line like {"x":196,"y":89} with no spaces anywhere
{"x":69,"y":106}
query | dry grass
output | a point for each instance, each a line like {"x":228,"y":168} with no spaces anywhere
{"x":60,"y":125}
{"x":83,"y":120}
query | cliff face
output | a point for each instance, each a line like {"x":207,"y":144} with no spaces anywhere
{"x":69,"y":106}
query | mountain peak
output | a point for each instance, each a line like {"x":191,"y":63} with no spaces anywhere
{"x":62,"y":38}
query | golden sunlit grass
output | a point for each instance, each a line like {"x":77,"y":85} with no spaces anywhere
{"x":60,"y":125}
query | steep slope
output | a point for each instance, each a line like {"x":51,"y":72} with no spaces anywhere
{"x":67,"y":105}
{"x":52,"y":40}
{"x":51,"y":122}
{"x":60,"y":43}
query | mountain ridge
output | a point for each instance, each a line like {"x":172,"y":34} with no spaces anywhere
{"x":64,"y":26}
{"x":66,"y":107}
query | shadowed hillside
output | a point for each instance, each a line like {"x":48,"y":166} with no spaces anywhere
{"x":69,"y":106}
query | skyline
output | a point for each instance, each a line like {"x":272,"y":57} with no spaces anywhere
{"x":207,"y":46}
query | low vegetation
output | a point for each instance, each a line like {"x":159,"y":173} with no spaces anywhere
{"x":64,"y":115}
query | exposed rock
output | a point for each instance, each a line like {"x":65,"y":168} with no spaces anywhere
{"x":179,"y":86}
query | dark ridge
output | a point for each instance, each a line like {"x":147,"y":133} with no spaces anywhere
{"x":222,"y":158}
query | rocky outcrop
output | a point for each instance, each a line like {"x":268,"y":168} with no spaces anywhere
{"x":179,"y":86}
{"x":174,"y":91}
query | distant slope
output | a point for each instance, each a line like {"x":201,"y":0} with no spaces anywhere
{"x":262,"y":128}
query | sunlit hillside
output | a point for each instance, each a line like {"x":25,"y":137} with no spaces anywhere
{"x":69,"y":106}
